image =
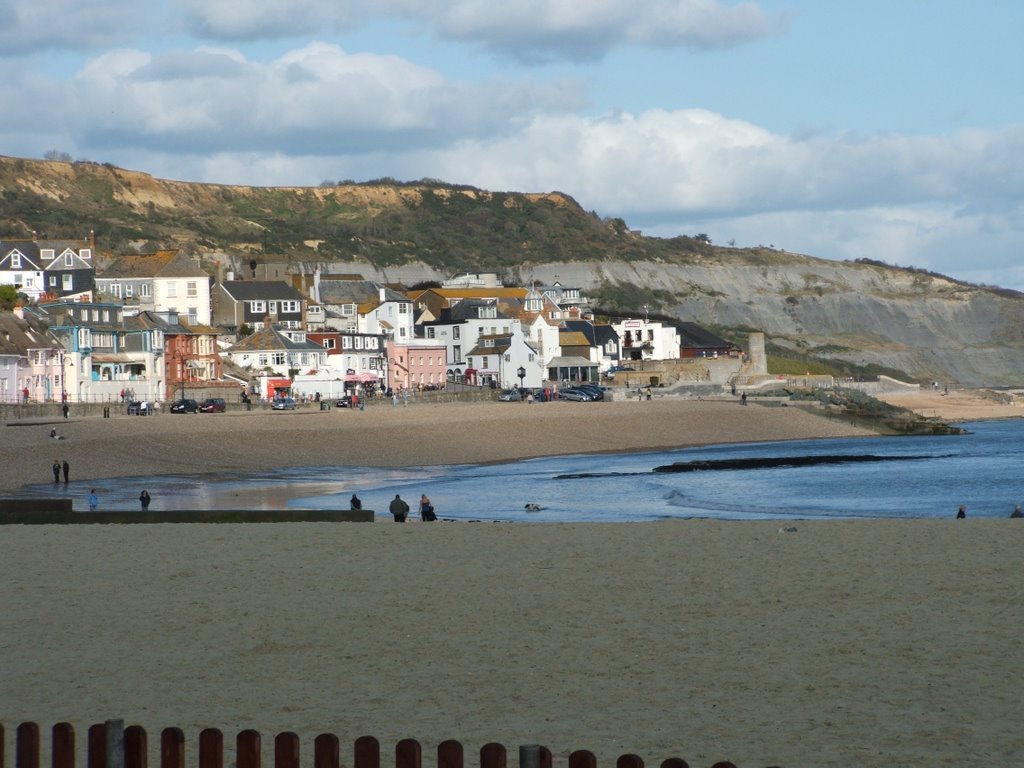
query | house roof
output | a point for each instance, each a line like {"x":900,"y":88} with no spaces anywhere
{"x":573,"y":339}
{"x":261,"y":290}
{"x":571,"y":362}
{"x":19,"y":335}
{"x":138,"y":265}
{"x":271,"y":339}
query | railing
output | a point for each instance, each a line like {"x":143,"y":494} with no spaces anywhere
{"x":111,"y":745}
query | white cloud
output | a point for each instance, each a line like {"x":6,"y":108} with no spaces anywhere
{"x":525,"y":30}
{"x":33,"y":26}
{"x":314,"y":100}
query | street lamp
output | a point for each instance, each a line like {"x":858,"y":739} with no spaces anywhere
{"x":63,"y":383}
{"x":521,"y":373}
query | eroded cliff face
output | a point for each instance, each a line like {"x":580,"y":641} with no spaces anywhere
{"x":928,"y":326}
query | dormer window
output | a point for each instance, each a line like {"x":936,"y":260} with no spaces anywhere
{"x":69,"y":259}
{"x":16,"y":260}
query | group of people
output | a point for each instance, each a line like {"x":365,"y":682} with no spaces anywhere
{"x":399,"y":509}
{"x":961,"y":513}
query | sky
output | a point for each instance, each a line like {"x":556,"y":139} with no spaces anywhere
{"x":842,"y":129}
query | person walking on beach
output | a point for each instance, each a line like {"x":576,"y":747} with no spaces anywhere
{"x":426,"y":510}
{"x":355,"y":503}
{"x":65,"y":468}
{"x":399,"y":509}
{"x":962,"y":512}
{"x":56,"y":471}
{"x":65,"y":409}
{"x":1017,"y":512}
{"x":94,"y":500}
{"x":144,"y":499}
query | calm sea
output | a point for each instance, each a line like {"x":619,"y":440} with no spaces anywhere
{"x":981,"y":469}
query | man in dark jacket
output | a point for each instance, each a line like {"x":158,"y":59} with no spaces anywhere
{"x":398,"y":508}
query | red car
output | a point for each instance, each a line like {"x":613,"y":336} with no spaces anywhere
{"x":213,"y":405}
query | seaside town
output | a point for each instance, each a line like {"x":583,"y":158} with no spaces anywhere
{"x":157,"y":331}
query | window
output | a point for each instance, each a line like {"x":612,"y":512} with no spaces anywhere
{"x":430,"y":333}
{"x":403,"y":308}
{"x":69,"y":260}
{"x":278,"y":358}
{"x":146,"y":290}
{"x":67,"y":282}
{"x":289,"y":306}
{"x":258,"y":307}
{"x":455,"y":332}
{"x":115,"y":290}
{"x":16,"y":260}
{"x":508,"y":358}
{"x":172,"y":289}
{"x":106,"y":315}
{"x":330,"y":344}
{"x":191,"y":290}
{"x":193,"y":316}
{"x":129,"y":290}
{"x":53,"y":280}
{"x":348,"y":309}
{"x":272,"y":307}
{"x":263,"y":360}
{"x":47,"y":253}
{"x":85,"y":253}
{"x":346,"y":342}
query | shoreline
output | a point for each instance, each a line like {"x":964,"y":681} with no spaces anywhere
{"x":422,"y":434}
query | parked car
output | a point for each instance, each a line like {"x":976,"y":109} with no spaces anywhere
{"x":345,"y":401}
{"x":616,"y":368}
{"x":595,"y":392}
{"x":213,"y":405}
{"x":184,"y":406}
{"x":576,"y":395}
{"x":284,"y":404}
{"x":510,"y":396}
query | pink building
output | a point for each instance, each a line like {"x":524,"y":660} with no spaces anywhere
{"x":416,"y":366}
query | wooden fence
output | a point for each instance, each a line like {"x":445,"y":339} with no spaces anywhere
{"x":111,"y":745}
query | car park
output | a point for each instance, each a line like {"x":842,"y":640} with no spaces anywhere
{"x":213,"y":405}
{"x":284,"y":404}
{"x":185,"y":405}
{"x":595,"y":392}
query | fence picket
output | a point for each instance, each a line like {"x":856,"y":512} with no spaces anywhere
{"x":211,"y":748}
{"x":172,"y":748}
{"x":97,"y":751}
{"x":63,"y":741}
{"x":248,"y":749}
{"x":408,"y":754}
{"x":135,"y":747}
{"x":326,"y":751}
{"x":367,"y":752}
{"x":286,"y":750}
{"x":26,"y":746}
{"x":449,"y":754}
{"x":492,"y":755}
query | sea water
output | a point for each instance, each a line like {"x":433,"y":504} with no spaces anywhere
{"x":917,"y":477}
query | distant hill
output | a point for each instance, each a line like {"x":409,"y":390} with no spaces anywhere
{"x":856,"y":317}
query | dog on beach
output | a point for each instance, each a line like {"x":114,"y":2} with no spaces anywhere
{"x":531,"y":507}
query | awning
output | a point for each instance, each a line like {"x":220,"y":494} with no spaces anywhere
{"x":115,"y":357}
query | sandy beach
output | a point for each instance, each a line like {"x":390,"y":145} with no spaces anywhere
{"x":831,"y":643}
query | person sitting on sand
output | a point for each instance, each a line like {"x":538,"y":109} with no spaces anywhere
{"x":962,"y":512}
{"x":355,"y":503}
{"x":54,"y":435}
{"x":1017,"y":512}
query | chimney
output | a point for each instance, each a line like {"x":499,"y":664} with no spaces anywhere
{"x":383,"y":291}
